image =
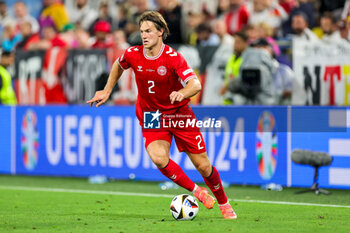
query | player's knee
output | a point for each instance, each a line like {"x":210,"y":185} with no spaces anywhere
{"x":160,"y":158}
{"x":204,"y":169}
{"x":160,"y":162}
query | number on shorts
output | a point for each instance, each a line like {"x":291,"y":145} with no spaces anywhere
{"x":199,"y":142}
{"x":152,"y":85}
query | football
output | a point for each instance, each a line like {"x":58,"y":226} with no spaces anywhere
{"x":184,"y":207}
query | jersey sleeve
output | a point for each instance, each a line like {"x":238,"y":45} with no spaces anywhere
{"x":124,"y":59}
{"x":183,"y":70}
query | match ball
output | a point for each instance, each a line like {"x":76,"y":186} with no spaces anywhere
{"x":184,"y":207}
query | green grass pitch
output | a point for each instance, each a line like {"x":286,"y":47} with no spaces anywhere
{"x":47,"y":204}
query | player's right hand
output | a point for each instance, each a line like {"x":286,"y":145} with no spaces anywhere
{"x":100,"y":98}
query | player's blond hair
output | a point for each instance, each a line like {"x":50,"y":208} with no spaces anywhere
{"x":158,"y":20}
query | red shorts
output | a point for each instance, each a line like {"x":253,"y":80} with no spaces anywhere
{"x":188,"y":139}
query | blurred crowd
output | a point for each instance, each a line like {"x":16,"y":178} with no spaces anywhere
{"x":78,"y":24}
{"x":254,"y":29}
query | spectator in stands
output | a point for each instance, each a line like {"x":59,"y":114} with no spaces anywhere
{"x":194,"y":19}
{"x":103,"y":38}
{"x":300,"y":28}
{"x":303,"y":6}
{"x":21,"y":15}
{"x":50,"y":38}
{"x":252,"y":32}
{"x":287,"y":5}
{"x":207,"y":7}
{"x":83,"y":38}
{"x":119,"y":45}
{"x":102,"y":16}
{"x":171,"y":11}
{"x":266,"y":11}
{"x":28,"y":36}
{"x":233,"y":64}
{"x":205,"y":35}
{"x":219,"y":28}
{"x":68,"y":35}
{"x":120,"y":40}
{"x":237,"y":17}
{"x":123,"y":12}
{"x":3,"y":11}
{"x":4,"y":18}
{"x":335,"y":6}
{"x":328,"y":30}
{"x":10,"y":37}
{"x":132,"y":26}
{"x":223,"y":8}
{"x":54,"y":14}
{"x":344,"y":28}
{"x":4,"y":14}
{"x":82,"y":14}
{"x":127,"y":92}
{"x":7,"y":94}
{"x":265,"y":31}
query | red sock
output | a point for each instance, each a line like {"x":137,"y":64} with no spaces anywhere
{"x":214,"y":183}
{"x":177,"y":175}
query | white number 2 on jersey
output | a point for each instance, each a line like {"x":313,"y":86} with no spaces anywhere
{"x":150,"y":87}
{"x":199,"y":138}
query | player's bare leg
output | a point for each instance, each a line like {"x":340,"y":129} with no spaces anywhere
{"x":159,"y":152}
{"x":213,"y":181}
{"x":201,"y":193}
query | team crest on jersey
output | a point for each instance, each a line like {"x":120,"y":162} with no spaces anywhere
{"x":162,"y":70}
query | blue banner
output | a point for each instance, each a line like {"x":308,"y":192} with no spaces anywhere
{"x":83,"y":141}
{"x":324,"y":129}
{"x":251,"y":147}
{"x":5,"y":142}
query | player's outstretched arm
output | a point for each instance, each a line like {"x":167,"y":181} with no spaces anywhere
{"x":102,"y":96}
{"x":193,"y":86}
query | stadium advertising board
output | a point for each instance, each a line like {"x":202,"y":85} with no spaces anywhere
{"x":57,"y":75}
{"x":82,"y":141}
{"x":252,"y":146}
{"x":322,"y":72}
{"x":328,"y":131}
{"x":5,"y":142}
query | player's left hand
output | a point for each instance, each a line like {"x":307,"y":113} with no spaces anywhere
{"x":100,"y":98}
{"x":176,"y":96}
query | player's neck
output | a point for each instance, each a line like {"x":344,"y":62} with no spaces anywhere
{"x":155,"y":50}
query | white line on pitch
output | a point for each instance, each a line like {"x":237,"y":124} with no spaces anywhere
{"x":59,"y":190}
{"x":291,"y":203}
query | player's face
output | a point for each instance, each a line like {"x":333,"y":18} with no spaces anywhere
{"x":150,"y":35}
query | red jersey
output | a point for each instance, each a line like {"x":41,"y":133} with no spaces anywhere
{"x":157,"y":77}
{"x":236,"y":19}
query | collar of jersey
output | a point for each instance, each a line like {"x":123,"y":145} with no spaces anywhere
{"x":155,"y":57}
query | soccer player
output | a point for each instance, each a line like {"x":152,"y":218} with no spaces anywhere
{"x":165,"y":82}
